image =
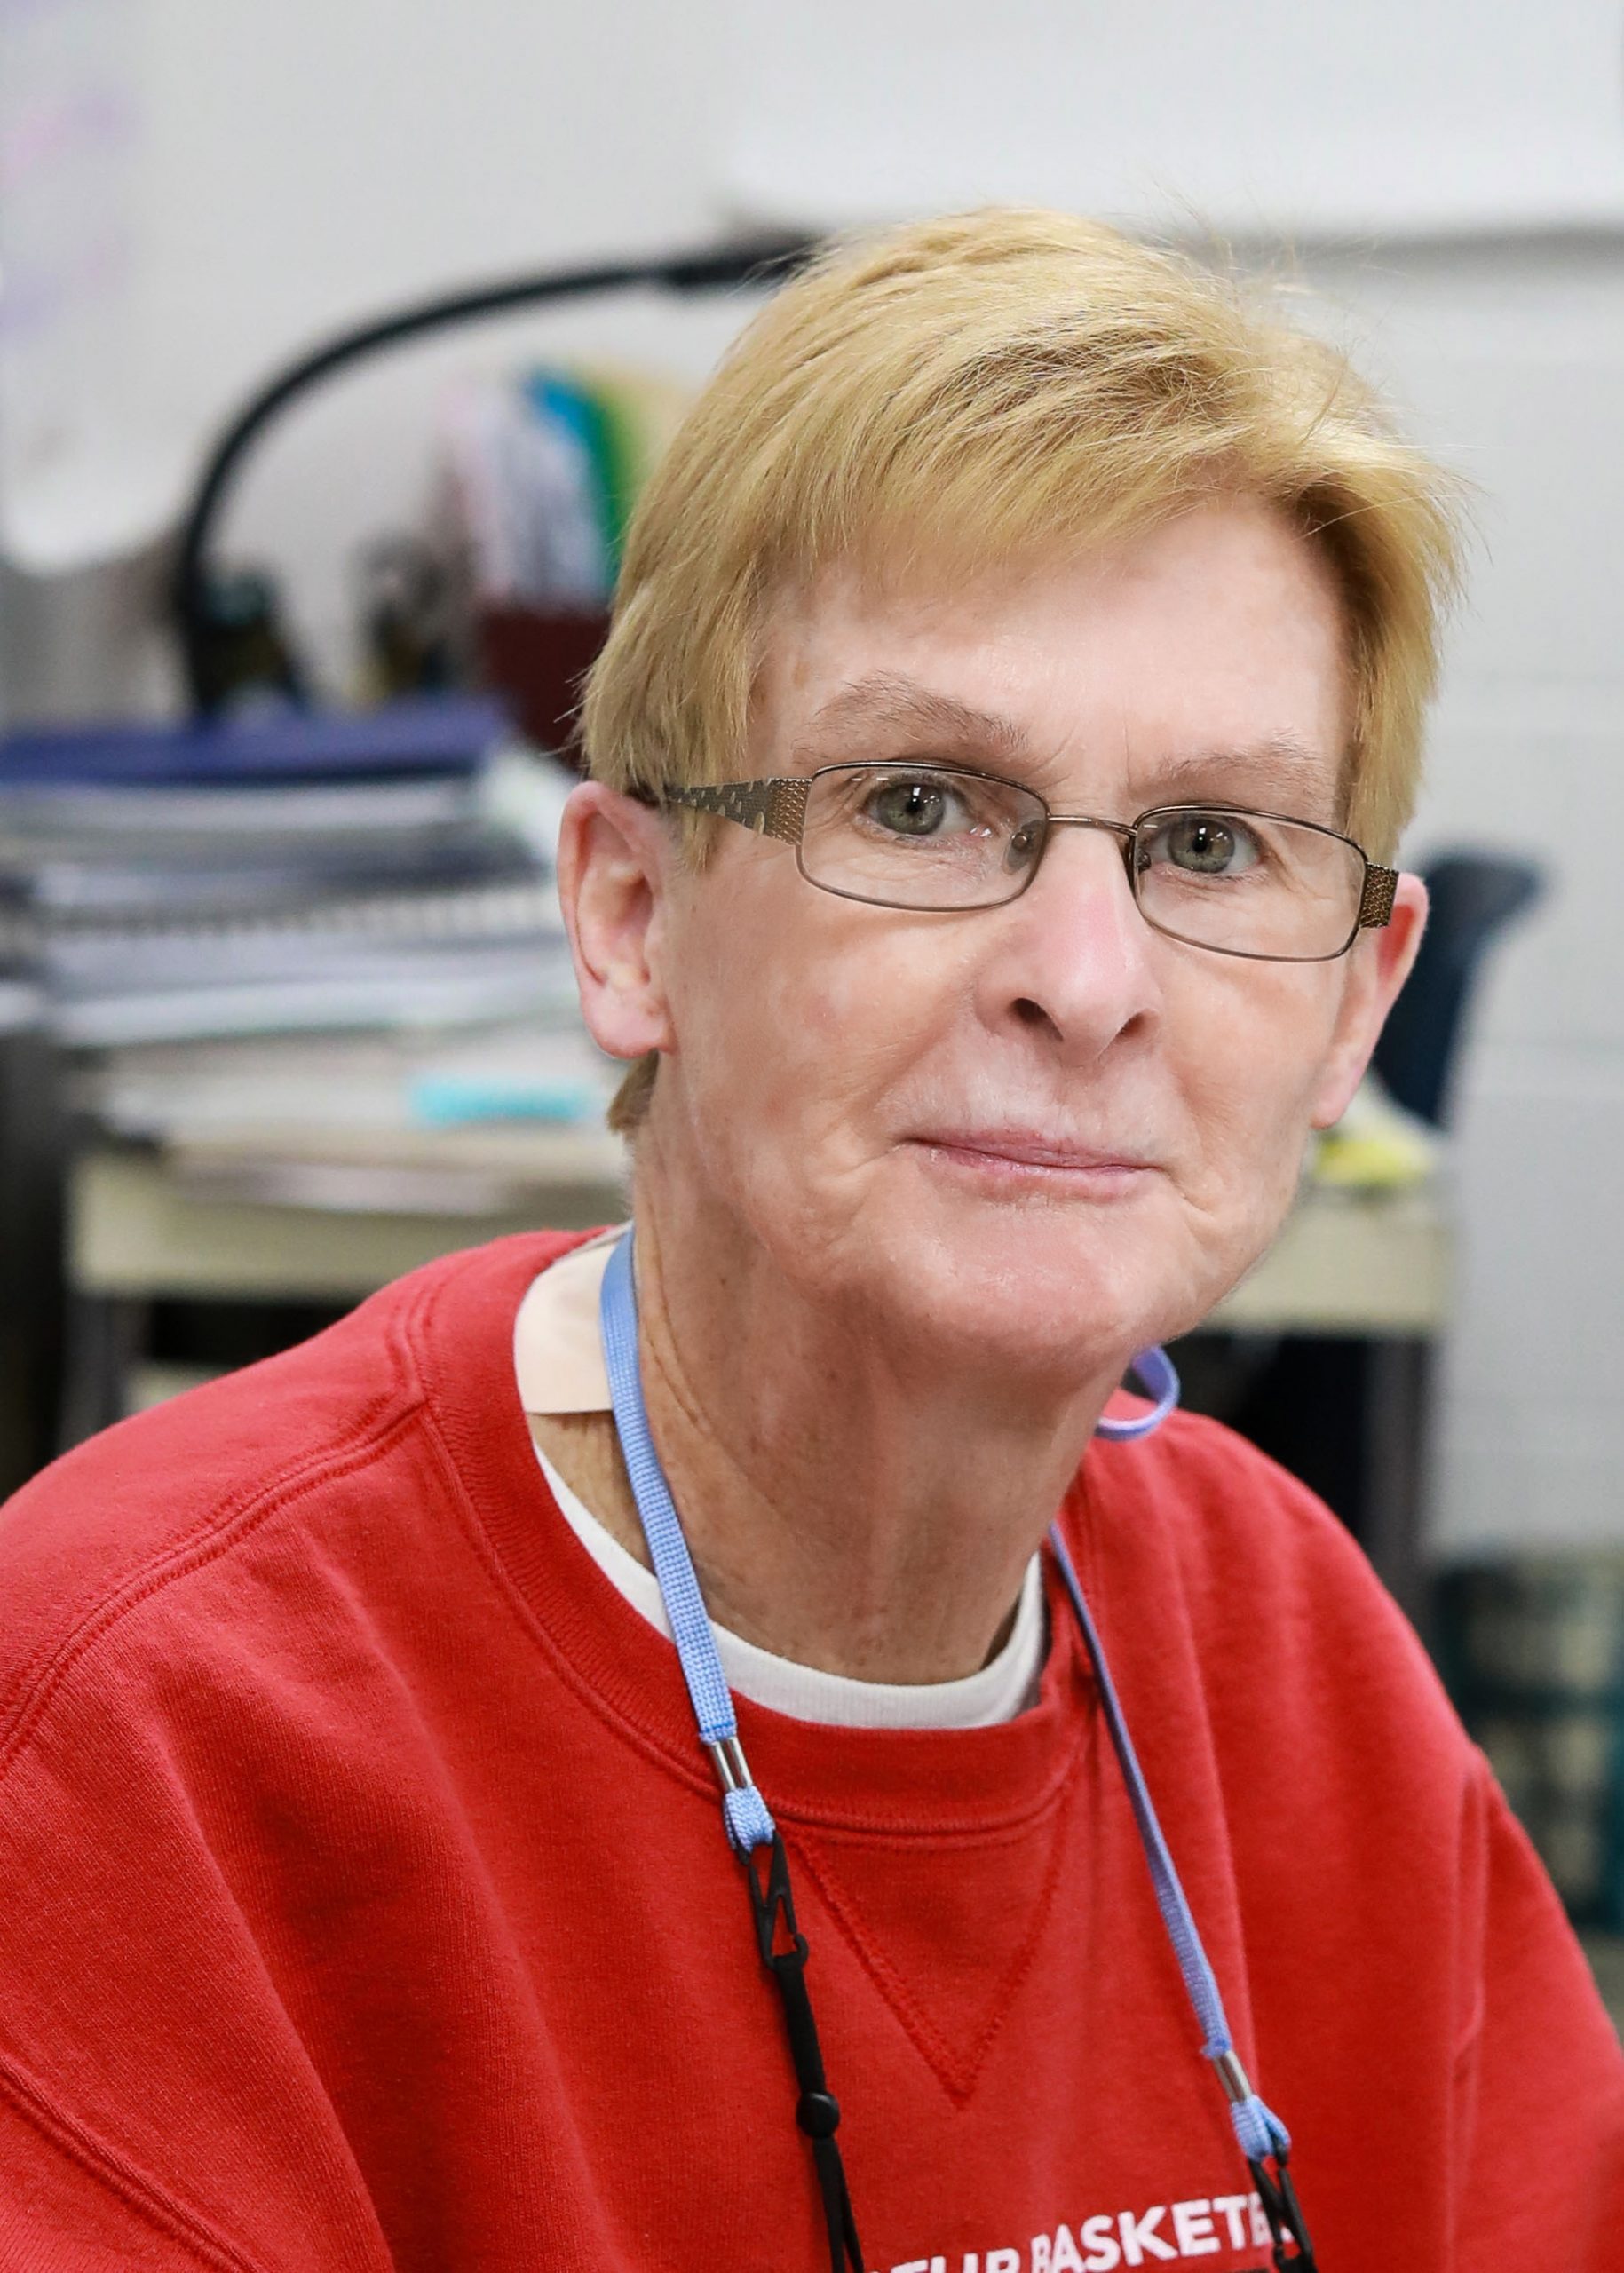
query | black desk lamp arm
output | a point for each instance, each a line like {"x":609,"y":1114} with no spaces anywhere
{"x":762,"y":262}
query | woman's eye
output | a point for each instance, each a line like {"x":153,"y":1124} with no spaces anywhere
{"x":915,"y":808}
{"x":1205,"y":845}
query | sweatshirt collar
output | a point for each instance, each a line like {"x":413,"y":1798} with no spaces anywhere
{"x":461,"y":1336}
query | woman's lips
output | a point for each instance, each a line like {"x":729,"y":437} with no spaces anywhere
{"x":1021,"y":1152}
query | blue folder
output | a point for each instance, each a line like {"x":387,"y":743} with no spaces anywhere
{"x":429,"y":734}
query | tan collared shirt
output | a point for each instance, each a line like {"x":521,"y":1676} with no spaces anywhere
{"x":558,"y":1352}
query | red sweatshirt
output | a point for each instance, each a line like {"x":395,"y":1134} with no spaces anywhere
{"x":366,"y":1901}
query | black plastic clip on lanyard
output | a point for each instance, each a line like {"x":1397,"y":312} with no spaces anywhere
{"x":1284,"y":2212}
{"x":784,"y":1952}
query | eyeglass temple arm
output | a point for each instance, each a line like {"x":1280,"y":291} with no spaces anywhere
{"x":776,"y":807}
{"x":1376,"y":901}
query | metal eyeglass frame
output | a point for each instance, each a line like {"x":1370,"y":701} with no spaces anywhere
{"x":776,"y":806}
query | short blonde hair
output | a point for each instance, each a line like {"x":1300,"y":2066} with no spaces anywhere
{"x":988,"y":385}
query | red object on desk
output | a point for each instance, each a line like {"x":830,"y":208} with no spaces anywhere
{"x":537,"y":662}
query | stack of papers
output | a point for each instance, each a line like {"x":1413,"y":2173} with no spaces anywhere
{"x":346,"y":1093}
{"x":260,"y":927}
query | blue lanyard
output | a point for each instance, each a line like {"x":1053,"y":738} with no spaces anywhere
{"x":755,"y":1840}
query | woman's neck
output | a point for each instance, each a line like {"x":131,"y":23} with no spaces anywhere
{"x":849,"y":1504}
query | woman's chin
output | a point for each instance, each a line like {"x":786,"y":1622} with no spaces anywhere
{"x":1121,"y":1269}
{"x":963,"y":1273}
{"x":1053,"y":1310}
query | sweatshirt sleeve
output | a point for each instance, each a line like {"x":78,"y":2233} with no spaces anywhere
{"x":69,"y":2204}
{"x":159,"y":2104}
{"x":1540,"y":2078}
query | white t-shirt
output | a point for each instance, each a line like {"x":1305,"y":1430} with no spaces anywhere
{"x":559,"y":1360}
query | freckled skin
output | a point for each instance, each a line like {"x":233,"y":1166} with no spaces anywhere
{"x":795,"y":1235}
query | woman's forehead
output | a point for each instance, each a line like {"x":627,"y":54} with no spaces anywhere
{"x":1206,"y":658}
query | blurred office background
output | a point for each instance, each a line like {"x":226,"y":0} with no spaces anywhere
{"x":192,"y":195}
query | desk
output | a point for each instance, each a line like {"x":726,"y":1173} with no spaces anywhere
{"x":1375,"y":1266}
{"x":217,"y":1221}
{"x":333,"y":1221}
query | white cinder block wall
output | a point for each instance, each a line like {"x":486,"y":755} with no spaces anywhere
{"x":1511,"y":359}
{"x":320,"y":156}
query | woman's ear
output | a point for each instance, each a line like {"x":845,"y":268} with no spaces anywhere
{"x":1379,"y":964}
{"x":614,"y":867}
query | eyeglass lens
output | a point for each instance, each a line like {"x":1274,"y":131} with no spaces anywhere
{"x":931,"y":838}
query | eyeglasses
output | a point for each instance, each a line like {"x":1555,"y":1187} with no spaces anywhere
{"x":937,"y":838}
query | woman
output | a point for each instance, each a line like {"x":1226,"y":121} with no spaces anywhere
{"x":1059,"y":632}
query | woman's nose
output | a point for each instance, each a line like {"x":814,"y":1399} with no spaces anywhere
{"x":1073,"y":953}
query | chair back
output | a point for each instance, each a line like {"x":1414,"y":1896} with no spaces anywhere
{"x":1473,"y":895}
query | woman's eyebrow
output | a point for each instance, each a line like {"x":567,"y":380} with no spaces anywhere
{"x":886,"y":713}
{"x":888,"y":706}
{"x":1279,"y":771}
